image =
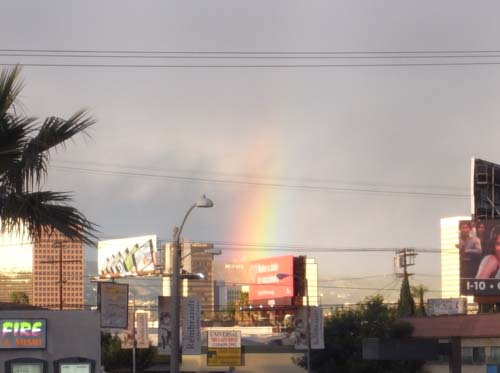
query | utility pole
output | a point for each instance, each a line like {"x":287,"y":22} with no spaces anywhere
{"x":404,"y":258}
{"x":60,"y":262}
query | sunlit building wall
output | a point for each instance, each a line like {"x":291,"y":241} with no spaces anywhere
{"x":312,"y":281}
{"x":450,"y":262}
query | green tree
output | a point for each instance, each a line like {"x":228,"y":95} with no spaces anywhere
{"x":417,"y":292}
{"x":114,"y":358}
{"x":25,"y":145}
{"x":19,"y":297}
{"x":406,"y":304}
{"x":344,"y":333}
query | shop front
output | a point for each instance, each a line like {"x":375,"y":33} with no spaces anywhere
{"x":44,"y":341}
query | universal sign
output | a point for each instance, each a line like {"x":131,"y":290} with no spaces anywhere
{"x":23,"y":334}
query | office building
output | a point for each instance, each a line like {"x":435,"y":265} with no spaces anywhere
{"x":33,"y":267}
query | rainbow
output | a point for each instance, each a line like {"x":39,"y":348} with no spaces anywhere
{"x":256,"y":211}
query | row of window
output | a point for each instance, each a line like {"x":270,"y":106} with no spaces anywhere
{"x":477,"y":355}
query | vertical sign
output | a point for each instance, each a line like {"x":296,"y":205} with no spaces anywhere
{"x":141,"y":336}
{"x":191,"y":325}
{"x":127,"y":335}
{"x":113,"y":303}
{"x":164,"y":326}
{"x":317,"y":333}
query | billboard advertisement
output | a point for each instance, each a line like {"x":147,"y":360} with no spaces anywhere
{"x":127,"y":335}
{"x":265,"y":287}
{"x":135,"y":256}
{"x":113,"y":303}
{"x":164,"y":325}
{"x":451,"y":306}
{"x":317,"y":331}
{"x":141,"y":335}
{"x":224,"y":347}
{"x":190,"y":314}
{"x":479,"y":252}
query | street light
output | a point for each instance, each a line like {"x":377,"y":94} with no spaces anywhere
{"x":204,"y":202}
{"x":281,"y":276}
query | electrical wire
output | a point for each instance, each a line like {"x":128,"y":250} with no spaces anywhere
{"x":303,"y":187}
{"x":255,"y":66}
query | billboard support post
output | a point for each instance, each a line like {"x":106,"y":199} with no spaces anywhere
{"x":134,"y":343}
{"x":204,"y":202}
{"x":281,"y":276}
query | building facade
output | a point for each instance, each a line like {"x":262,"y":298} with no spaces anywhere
{"x":200,"y":262}
{"x":33,"y":268}
{"x":450,"y":261}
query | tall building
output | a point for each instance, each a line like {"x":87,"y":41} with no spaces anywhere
{"x":226,"y":294}
{"x":450,"y":261}
{"x":51,"y":254}
{"x":199,"y":261}
{"x":33,"y":268}
{"x":15,"y":282}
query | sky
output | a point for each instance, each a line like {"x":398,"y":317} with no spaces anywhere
{"x":285,"y":152}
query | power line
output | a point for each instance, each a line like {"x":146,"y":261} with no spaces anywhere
{"x":304,"y":187}
{"x":99,"y":51}
{"x":247,"y":57}
{"x":254,"y":176}
{"x":256,"y":66}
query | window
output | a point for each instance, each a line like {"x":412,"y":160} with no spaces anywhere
{"x":495,"y":354}
{"x":473,"y":355}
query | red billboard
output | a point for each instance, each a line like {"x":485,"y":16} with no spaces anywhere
{"x":265,"y":287}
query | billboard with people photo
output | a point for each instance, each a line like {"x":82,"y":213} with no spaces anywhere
{"x":479,"y":251}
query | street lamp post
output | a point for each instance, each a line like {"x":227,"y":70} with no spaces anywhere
{"x":281,"y":276}
{"x":204,"y":202}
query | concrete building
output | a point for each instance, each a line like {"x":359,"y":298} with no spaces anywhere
{"x":50,"y":338}
{"x":198,"y":261}
{"x":47,"y":254}
{"x":12,"y":282}
{"x":450,"y":261}
{"x":226,"y":294}
{"x":478,"y":337}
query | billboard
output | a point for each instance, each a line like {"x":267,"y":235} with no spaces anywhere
{"x":135,"y":256}
{"x":164,"y":325}
{"x":317,"y":329}
{"x":127,"y":335}
{"x":190,"y":322}
{"x":224,"y":347}
{"x":141,"y":335}
{"x":113,"y":303}
{"x":23,"y":334}
{"x":485,"y":190}
{"x":479,"y":252}
{"x":451,"y":306}
{"x":265,"y":287}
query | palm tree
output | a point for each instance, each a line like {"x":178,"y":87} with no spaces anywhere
{"x":25,"y":145}
{"x":417,"y":292}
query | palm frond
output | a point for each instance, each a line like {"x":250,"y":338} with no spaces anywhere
{"x":54,"y":132}
{"x":10,"y":87}
{"x":13,"y":134}
{"x":44,"y":212}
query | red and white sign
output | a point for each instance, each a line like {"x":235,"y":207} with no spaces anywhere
{"x":265,"y":285}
